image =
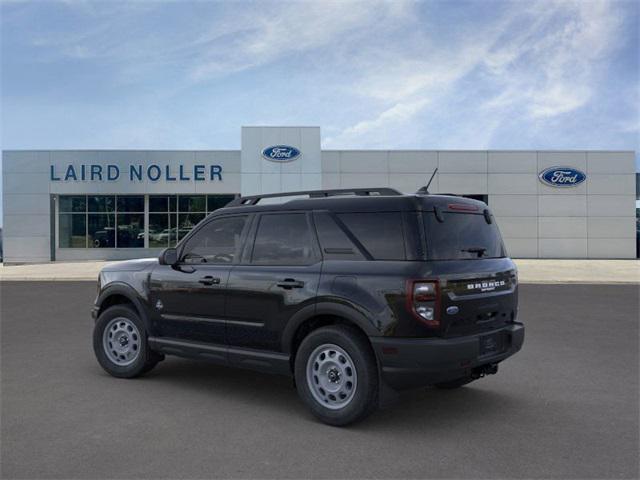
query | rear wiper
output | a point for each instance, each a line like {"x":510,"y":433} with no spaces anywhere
{"x":479,"y":250}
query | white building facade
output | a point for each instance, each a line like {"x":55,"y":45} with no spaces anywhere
{"x":117,"y":204}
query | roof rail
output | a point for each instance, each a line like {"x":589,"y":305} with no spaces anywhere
{"x":360,"y":192}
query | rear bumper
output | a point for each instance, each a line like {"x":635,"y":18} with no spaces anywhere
{"x":412,"y":362}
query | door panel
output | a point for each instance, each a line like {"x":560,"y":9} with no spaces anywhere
{"x":278,"y":276}
{"x":188,"y":299}
{"x":261,"y":299}
{"x":187,"y":305}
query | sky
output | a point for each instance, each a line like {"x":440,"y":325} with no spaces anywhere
{"x":374,"y":74}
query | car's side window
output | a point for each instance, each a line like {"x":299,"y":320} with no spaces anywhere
{"x":283,"y":239}
{"x":217,"y":242}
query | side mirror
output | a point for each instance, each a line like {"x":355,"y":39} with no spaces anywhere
{"x":169,"y":256}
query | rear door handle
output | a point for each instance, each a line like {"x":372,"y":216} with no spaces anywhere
{"x":289,"y":283}
{"x":209,"y":280}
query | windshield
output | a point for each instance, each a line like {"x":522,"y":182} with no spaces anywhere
{"x":462,"y":236}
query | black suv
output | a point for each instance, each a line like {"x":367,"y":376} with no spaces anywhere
{"x":355,"y":293}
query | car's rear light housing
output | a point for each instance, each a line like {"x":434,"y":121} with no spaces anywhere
{"x":423,"y":301}
{"x":462,"y":207}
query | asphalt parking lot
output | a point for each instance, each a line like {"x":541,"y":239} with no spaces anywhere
{"x":564,"y":407}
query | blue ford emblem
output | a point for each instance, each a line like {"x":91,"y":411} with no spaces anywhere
{"x":281,"y":153}
{"x":562,"y":177}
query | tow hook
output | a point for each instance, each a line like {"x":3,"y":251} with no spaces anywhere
{"x":481,"y":371}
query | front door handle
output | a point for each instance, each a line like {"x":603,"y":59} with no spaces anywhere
{"x":289,"y":283}
{"x":209,"y":280}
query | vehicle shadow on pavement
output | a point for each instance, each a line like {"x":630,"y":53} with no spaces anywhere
{"x":276,"y":394}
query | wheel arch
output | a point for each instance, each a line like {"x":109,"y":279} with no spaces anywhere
{"x":122,"y":294}
{"x":321,"y":315}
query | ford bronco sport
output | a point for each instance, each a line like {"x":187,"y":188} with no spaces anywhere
{"x":354,"y":293}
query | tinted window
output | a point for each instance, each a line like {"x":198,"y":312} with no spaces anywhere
{"x":131,"y":204}
{"x":283,"y":239}
{"x":334,"y":241}
{"x":462,"y":236}
{"x":380,"y":233}
{"x":70,"y":203}
{"x":217,"y":242}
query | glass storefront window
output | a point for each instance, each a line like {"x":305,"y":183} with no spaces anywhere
{"x":101,"y":230}
{"x":73,"y":203}
{"x":101,"y":204}
{"x":72,"y":229}
{"x":130,"y":230}
{"x":131,"y":203}
{"x":118,"y":221}
{"x":160,"y":231}
{"x":158,"y":203}
{"x":192,"y":203}
{"x":215,"y":202}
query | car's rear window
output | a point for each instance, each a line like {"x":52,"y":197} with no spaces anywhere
{"x":462,"y":236}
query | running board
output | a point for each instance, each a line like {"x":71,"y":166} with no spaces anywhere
{"x":264,"y":361}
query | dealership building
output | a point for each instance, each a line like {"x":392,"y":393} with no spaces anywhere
{"x":116,"y":204}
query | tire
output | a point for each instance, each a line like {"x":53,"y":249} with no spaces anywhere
{"x":453,"y":384}
{"x":348,"y":359}
{"x":130,"y":356}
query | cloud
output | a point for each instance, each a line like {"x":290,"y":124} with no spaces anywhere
{"x":537,"y":60}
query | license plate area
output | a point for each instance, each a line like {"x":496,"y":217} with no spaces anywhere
{"x":491,"y":344}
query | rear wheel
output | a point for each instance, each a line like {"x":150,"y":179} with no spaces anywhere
{"x":120,"y":343}
{"x":336,"y":375}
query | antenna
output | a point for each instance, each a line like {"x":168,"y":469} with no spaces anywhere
{"x":425,"y":190}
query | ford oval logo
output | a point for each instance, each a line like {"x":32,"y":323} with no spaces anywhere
{"x":281,"y":153}
{"x":562,"y":177}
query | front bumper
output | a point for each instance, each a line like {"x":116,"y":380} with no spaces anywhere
{"x":414,"y":362}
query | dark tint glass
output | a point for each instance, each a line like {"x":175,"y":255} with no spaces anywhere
{"x":72,"y":203}
{"x":101,"y":229}
{"x":283,"y":239}
{"x":130,"y":230}
{"x":192,"y":203}
{"x":334,"y":241}
{"x":173,"y":203}
{"x":379,"y":233}
{"x":217,"y":201}
{"x":72,"y":230}
{"x":462,"y":236}
{"x":217,"y":242}
{"x":131,"y":203}
{"x":158,"y":203}
{"x":159,"y":231}
{"x":102,"y":203}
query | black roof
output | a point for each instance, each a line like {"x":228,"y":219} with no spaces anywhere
{"x":341,"y":200}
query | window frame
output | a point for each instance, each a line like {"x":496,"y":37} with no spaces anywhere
{"x":180,"y":247}
{"x":247,"y":255}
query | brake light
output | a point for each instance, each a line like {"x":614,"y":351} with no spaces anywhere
{"x":423,"y":301}
{"x":462,"y":207}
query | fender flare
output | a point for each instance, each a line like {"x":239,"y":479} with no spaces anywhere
{"x":349,"y":313}
{"x":127,"y":291}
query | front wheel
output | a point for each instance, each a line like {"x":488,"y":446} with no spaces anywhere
{"x":336,"y":375}
{"x":120,"y":343}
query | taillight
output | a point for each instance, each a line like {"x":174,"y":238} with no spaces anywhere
{"x":423,"y":300}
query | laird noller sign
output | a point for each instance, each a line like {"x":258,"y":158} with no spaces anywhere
{"x":135,"y":173}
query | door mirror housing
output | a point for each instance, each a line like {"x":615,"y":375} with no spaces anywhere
{"x":169,"y":256}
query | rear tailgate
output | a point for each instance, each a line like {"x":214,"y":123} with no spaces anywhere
{"x":478,"y":303}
